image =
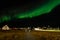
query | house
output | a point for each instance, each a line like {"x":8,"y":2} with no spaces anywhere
{"x":5,"y":27}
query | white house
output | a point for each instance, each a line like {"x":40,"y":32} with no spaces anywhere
{"x":5,"y":27}
{"x":37,"y":29}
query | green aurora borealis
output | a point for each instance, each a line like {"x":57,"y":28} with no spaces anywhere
{"x":44,"y":9}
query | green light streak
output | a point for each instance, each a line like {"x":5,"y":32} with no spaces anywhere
{"x":44,"y":9}
{"x":5,"y":18}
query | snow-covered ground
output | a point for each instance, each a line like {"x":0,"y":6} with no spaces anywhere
{"x":37,"y":29}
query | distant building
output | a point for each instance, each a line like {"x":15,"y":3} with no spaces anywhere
{"x":44,"y":28}
{"x":37,"y":29}
{"x":5,"y":27}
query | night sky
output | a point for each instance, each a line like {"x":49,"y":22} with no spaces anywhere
{"x":12,"y":8}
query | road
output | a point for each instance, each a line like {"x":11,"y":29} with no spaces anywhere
{"x":29,"y":36}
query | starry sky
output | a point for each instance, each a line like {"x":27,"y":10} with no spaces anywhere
{"x":11,"y":8}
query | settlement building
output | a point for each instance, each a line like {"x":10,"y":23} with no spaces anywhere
{"x":5,"y":27}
